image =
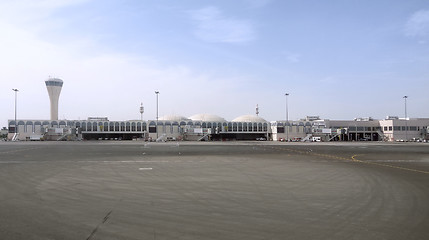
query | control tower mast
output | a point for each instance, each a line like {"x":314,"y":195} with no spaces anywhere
{"x":54,"y":86}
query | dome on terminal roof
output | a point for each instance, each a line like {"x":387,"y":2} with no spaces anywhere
{"x":249,"y":118}
{"x":173,"y":118}
{"x":207,"y":118}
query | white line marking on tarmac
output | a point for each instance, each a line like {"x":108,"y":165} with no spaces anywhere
{"x":138,"y":161}
{"x":142,"y":169}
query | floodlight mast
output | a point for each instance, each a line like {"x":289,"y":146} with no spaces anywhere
{"x":16,"y":98}
{"x":406,"y":122}
{"x":157,"y":111}
{"x":287,"y":119}
{"x":141,"y":112}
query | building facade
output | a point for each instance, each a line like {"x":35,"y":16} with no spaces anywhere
{"x":359,"y":129}
{"x":196,"y":127}
{"x":211,"y":127}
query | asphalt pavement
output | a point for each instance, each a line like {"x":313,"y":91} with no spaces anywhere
{"x":213,"y":190}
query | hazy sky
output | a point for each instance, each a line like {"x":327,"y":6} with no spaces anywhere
{"x":339,"y":59}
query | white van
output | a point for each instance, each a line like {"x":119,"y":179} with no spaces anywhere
{"x":316,"y":139}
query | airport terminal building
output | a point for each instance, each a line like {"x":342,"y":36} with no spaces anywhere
{"x":195,"y":128}
{"x":208,"y":127}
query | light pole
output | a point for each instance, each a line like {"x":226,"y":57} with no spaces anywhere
{"x":287,"y":119}
{"x":16,"y":97}
{"x":141,"y":112}
{"x":157,"y":93}
{"x":406,"y":122}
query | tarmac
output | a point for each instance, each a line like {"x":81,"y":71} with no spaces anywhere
{"x":213,"y":190}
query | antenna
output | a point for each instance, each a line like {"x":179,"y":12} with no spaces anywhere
{"x":141,"y":111}
{"x":257,"y":110}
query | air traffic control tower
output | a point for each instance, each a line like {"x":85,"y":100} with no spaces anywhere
{"x":54,"y":86}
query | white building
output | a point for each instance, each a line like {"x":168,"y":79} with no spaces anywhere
{"x":213,"y":127}
{"x":196,"y":127}
{"x":405,"y":129}
{"x":359,"y":129}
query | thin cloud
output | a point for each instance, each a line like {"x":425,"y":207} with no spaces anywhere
{"x":328,"y":80}
{"x":29,"y":59}
{"x":213,"y":26}
{"x":418,"y":24}
{"x":32,"y":10}
{"x":293,"y":58}
{"x":257,"y":3}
